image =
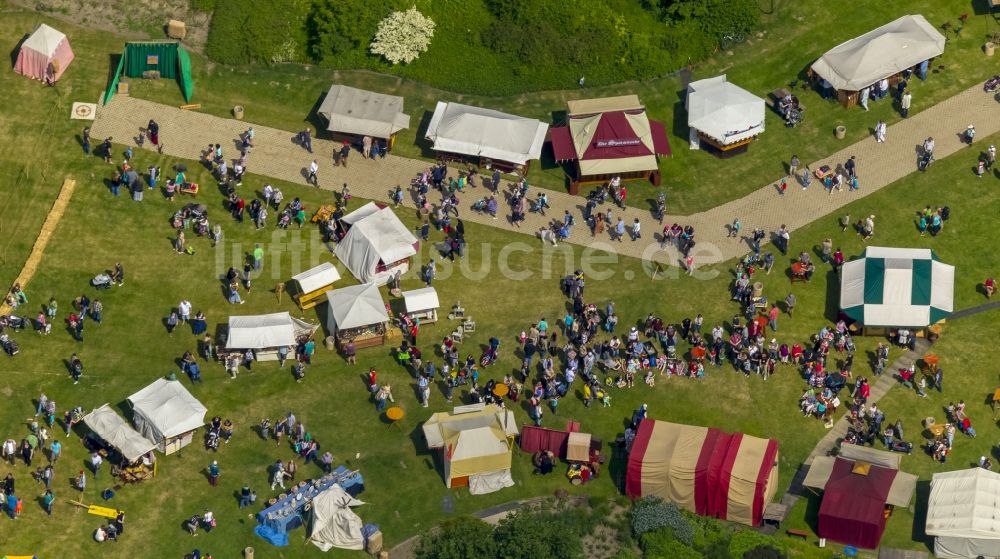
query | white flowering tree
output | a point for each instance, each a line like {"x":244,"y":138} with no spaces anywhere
{"x":402,"y":36}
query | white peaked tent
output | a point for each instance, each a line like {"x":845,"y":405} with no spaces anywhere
{"x":467,"y":130}
{"x":265,"y":333}
{"x":118,"y":433}
{"x":363,"y":113}
{"x":880,"y":53}
{"x":422,"y":303}
{"x":475,"y":442}
{"x":356,"y":306}
{"x":897,"y":287}
{"x":377,"y":245}
{"x":317,"y":278}
{"x":963,"y":514}
{"x":44,"y":55}
{"x":723,"y":111}
{"x":334,"y":524}
{"x":167,"y":414}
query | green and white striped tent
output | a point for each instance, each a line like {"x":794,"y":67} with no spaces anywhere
{"x":899,"y":287}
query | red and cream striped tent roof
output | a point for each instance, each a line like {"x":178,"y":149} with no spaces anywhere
{"x":707,"y":471}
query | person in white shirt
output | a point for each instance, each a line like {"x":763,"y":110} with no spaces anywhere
{"x":100,"y":535}
{"x":313,"y":168}
{"x":184,"y":310}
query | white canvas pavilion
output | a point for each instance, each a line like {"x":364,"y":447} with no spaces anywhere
{"x":334,"y":524}
{"x":167,"y":414}
{"x":356,"y":306}
{"x":467,"y":130}
{"x":963,"y":514}
{"x":422,"y":303}
{"x":377,"y":245}
{"x":880,"y":53}
{"x":265,"y":333}
{"x":723,"y":111}
{"x":363,"y":113}
{"x":475,"y":441}
{"x":897,"y":287}
{"x":114,"y":430}
{"x":321,"y":276}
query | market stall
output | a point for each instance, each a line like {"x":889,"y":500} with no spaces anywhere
{"x":607,"y":138}
{"x":422,"y":304}
{"x":357,"y":314}
{"x":266,"y":334}
{"x":353,"y":113}
{"x":476,"y":443}
{"x":963,"y":514}
{"x":167,"y":414}
{"x":291,"y":509}
{"x":131,"y":463}
{"x":723,"y":117}
{"x":485,"y":137}
{"x":882,"y":53}
{"x":376,"y":244}
{"x":313,"y":283}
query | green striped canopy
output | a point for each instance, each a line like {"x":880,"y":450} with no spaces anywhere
{"x":897,"y":287}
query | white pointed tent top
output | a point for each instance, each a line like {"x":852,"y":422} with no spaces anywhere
{"x":118,"y":433}
{"x":45,"y":40}
{"x":724,"y":111}
{"x":355,"y":307}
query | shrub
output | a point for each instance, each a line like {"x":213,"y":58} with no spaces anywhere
{"x":660,"y":545}
{"x":402,"y":36}
{"x":531,"y":535}
{"x":715,"y":17}
{"x":744,"y":541}
{"x":257,"y":31}
{"x":653,"y":513}
{"x":459,"y":538}
{"x":343,"y":28}
{"x":765,"y":552}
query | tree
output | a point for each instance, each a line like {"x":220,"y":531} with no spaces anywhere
{"x":402,"y":36}
{"x":459,"y":538}
{"x":531,"y":535}
{"x":340,"y":28}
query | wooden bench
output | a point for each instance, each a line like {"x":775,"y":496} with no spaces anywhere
{"x":798,"y":533}
{"x":309,"y":300}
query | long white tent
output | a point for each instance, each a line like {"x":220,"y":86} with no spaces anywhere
{"x":114,"y":430}
{"x":467,"y":130}
{"x":377,"y":245}
{"x":363,"y":113}
{"x":897,"y":287}
{"x":723,"y":111}
{"x":167,"y":414}
{"x":963,"y":514}
{"x":266,"y":331}
{"x":880,"y":53}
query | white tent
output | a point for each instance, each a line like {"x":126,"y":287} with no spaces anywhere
{"x":880,"y":53}
{"x":364,"y":113}
{"x":118,"y":433}
{"x":963,"y":513}
{"x":475,"y":442}
{"x":334,"y":524}
{"x":897,"y":287}
{"x":167,"y":414}
{"x":265,"y":332}
{"x":422,"y":303}
{"x":486,"y":133}
{"x":44,"y":55}
{"x":376,"y":246}
{"x":356,"y":306}
{"x":317,"y":278}
{"x":724,"y":111}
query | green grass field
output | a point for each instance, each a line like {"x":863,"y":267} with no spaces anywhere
{"x":405,"y":491}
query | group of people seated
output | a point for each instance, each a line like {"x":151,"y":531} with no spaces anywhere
{"x":790,"y":110}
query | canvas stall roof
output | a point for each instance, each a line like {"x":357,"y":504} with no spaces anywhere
{"x":900,"y":493}
{"x":118,"y":433}
{"x":169,"y":407}
{"x":853,"y":507}
{"x":578,"y":447}
{"x":875,"y":456}
{"x":317,"y":278}
{"x":355,"y":307}
{"x":614,"y":141}
{"x":964,"y":503}
{"x":377,"y":239}
{"x":334,"y":524}
{"x":361,"y":213}
{"x":361,"y":112}
{"x":421,"y":299}
{"x":880,"y":53}
{"x":897,"y":287}
{"x":724,"y":111}
{"x":707,"y":471}
{"x":264,"y":331}
{"x":468,"y":130}
{"x":475,"y":451}
{"x":464,"y":418}
{"x":604,"y":105}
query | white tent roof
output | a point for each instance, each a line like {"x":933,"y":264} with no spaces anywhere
{"x":334,"y":524}
{"x":467,"y":130}
{"x":166,"y":409}
{"x":360,"y":213}
{"x":963,"y":513}
{"x":318,"y":277}
{"x":880,"y":53}
{"x":354,"y":307}
{"x":724,"y":111}
{"x":422,"y":299}
{"x":118,"y":433}
{"x":361,"y":112}
{"x":467,"y":417}
{"x":264,"y":331}
{"x":378,"y":237}
{"x":475,"y":442}
{"x":898,"y":287}
{"x":45,"y":40}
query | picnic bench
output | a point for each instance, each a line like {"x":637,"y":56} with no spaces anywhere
{"x":797,"y":533}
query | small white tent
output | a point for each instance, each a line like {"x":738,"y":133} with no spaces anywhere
{"x":265,"y":333}
{"x":724,"y":112}
{"x":44,"y":55}
{"x":313,"y":279}
{"x":485,"y":133}
{"x":114,"y":430}
{"x":356,"y":306}
{"x":476,"y":448}
{"x":422,"y":303}
{"x":377,"y":245}
{"x":334,"y":524}
{"x":167,"y":414}
{"x":963,"y":514}
{"x":363,"y":113}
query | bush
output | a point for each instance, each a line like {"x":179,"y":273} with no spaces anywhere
{"x":744,"y":541}
{"x":343,"y":28}
{"x":459,"y":538}
{"x":531,"y":535}
{"x":715,"y":17}
{"x":403,"y":36}
{"x":661,"y":545}
{"x":257,"y":31}
{"x":765,"y":552}
{"x":653,"y":513}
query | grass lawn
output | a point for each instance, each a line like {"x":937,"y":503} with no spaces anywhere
{"x":404,"y":487}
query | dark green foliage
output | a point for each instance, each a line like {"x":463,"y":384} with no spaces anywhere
{"x":765,"y":552}
{"x":257,"y":31}
{"x":714,"y":17}
{"x":530,"y":535}
{"x":665,"y":547}
{"x":653,"y":514}
{"x":460,"y":538}
{"x":744,"y":541}
{"x":344,"y":28}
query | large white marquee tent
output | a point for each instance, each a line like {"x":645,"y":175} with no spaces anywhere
{"x":963,"y":514}
{"x":485,"y":133}
{"x":167,"y":414}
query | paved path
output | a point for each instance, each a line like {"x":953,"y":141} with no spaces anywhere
{"x":186,"y":133}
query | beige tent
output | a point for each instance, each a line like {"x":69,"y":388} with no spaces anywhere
{"x":880,"y":53}
{"x":485,"y":133}
{"x":963,"y":514}
{"x":114,"y":430}
{"x":334,"y":524}
{"x":363,"y":113}
{"x":377,"y":245}
{"x":476,"y":446}
{"x":167,"y":414}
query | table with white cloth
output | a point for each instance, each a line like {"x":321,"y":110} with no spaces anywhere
{"x":286,"y":513}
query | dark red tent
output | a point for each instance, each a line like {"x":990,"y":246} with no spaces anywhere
{"x":853,"y":507}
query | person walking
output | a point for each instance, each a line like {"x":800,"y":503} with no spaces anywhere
{"x":305,"y":137}
{"x":772,"y":318}
{"x":47,"y":499}
{"x":213,"y":473}
{"x":904,"y":103}
{"x":635,"y":230}
{"x":245,"y":493}
{"x":793,"y":165}
{"x":880,"y":129}
{"x":345,"y":151}
{"x":258,"y":257}
{"x":95,"y":463}
{"x":313,"y":168}
{"x":86,"y":140}
{"x":81,"y":481}
{"x":851,"y":167}
{"x":783,"y":236}
{"x":790,"y":303}
{"x":619,"y":229}
{"x":734,"y":228}
{"x":689,"y":264}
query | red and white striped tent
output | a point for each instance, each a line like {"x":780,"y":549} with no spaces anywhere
{"x":731,"y":476}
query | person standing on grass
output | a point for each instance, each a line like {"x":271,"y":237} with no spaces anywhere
{"x":790,"y":304}
{"x":213,"y":473}
{"x":184,"y":310}
{"x":904,"y":103}
{"x":772,"y":318}
{"x":258,"y":257}
{"x":793,"y":165}
{"x":86,"y":140}
{"x":81,"y":481}
{"x":95,"y":463}
{"x":47,"y":499}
